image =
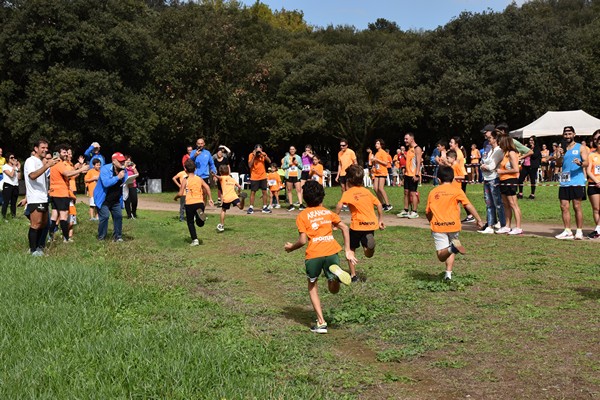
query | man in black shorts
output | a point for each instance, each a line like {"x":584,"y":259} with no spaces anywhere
{"x":258,"y":177}
{"x":412,"y":175}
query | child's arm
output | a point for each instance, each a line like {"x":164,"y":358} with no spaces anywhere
{"x":380,"y":215}
{"x":346,"y":233}
{"x":473,"y":212}
{"x":338,"y":207}
{"x":206,"y":189}
{"x":175,"y":180}
{"x":181,"y":189}
{"x":289,"y":247}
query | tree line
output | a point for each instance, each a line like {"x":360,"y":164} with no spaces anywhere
{"x":149,"y":77}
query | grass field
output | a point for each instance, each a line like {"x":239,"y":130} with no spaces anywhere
{"x":154,"y":318}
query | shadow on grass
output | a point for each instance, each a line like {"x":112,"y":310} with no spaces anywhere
{"x":301,"y":315}
{"x":425,"y":276}
{"x":589,"y":293}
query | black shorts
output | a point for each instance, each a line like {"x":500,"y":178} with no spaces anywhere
{"x":410,"y":184}
{"x":39,"y":207}
{"x":342,"y":180}
{"x":305,"y":175}
{"x":358,"y":238}
{"x":592,"y":189}
{"x":227,"y":206}
{"x":256,"y":185}
{"x":60,"y":203}
{"x":509,"y":187}
{"x":571,"y":193}
{"x":292,"y":179}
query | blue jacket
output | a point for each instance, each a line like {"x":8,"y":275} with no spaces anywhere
{"x":204,"y":163}
{"x":90,"y":157}
{"x":107,"y":179}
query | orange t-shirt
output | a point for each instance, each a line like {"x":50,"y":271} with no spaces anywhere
{"x":460,"y":157}
{"x":59,"y":185}
{"x":503,"y":165}
{"x":258,"y":171}
{"x":193,"y":190}
{"x":442,"y":202}
{"x":228,"y":185}
{"x":72,"y":183}
{"x":346,"y":158}
{"x":316,"y":223}
{"x":274,"y":181}
{"x":411,"y":162}
{"x":72,"y":208}
{"x":90,"y":186}
{"x":475,"y":156}
{"x":181,"y":175}
{"x":594,"y":161}
{"x":457,"y":174}
{"x":379,"y":169}
{"x":361,"y":202}
{"x":318,"y":168}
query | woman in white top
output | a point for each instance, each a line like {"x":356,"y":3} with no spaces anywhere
{"x":10,"y":185}
{"x":490,"y":162}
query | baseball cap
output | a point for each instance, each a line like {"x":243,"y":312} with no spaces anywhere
{"x":118,"y":156}
{"x":488,"y":128}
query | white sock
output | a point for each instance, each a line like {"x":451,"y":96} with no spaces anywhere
{"x":568,"y":230}
{"x":598,"y":228}
{"x":579,"y":232}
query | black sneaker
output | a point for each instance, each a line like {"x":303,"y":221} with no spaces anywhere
{"x":201,"y":215}
{"x":319,"y":328}
{"x":354,"y":279}
{"x":519,"y":196}
{"x":291,"y":207}
{"x":531,"y":197}
{"x":593,"y":235}
{"x":301,"y":207}
{"x":468,"y":219}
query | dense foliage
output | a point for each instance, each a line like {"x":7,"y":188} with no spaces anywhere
{"x":148,"y":77}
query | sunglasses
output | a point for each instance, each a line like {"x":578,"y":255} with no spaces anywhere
{"x":343,"y":145}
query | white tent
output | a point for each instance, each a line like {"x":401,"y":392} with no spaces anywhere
{"x":553,"y":122}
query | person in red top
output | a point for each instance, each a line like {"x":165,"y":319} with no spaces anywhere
{"x":363,"y":222}
{"x":186,"y":156}
{"x":315,"y":226}
{"x":443,"y":215}
{"x":258,"y":177}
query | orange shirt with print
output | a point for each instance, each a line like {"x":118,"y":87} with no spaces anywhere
{"x":258,"y":172}
{"x":443,"y":202}
{"x":317,"y":223}
{"x":313,"y":173}
{"x":460,"y":157}
{"x":90,"y":186}
{"x":361,"y":202}
{"x":381,"y":169}
{"x":457,"y":174}
{"x":503,"y":165}
{"x":346,"y":158}
{"x":274,"y":181}
{"x":193,"y":190}
{"x":228,"y":185}
{"x":594,"y":161}
{"x":59,"y":185}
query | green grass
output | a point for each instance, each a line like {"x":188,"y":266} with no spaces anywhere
{"x":154,"y":318}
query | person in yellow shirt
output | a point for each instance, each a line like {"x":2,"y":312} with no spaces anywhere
{"x":363,"y":222}
{"x":194,"y":187}
{"x":443,"y":214}
{"x":274,"y":182}
{"x":346,"y":158}
{"x":229,"y":194}
{"x":315,"y":226}
{"x":90,"y":179}
{"x":412,"y":177}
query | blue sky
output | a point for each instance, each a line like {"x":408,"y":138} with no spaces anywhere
{"x":408,"y":14}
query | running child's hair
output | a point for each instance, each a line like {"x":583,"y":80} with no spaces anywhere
{"x":189,"y":166}
{"x":451,"y":153}
{"x":313,"y":193}
{"x":223,"y":170}
{"x":355,"y":175}
{"x":96,"y":161}
{"x":445,"y":174}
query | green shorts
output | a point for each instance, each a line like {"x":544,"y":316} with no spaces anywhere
{"x":314,"y":266}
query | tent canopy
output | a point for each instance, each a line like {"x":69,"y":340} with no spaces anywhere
{"x":553,"y":122}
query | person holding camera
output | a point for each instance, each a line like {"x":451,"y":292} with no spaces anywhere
{"x":258,"y":177}
{"x":219,"y":159}
{"x":92,"y":153}
{"x":131,"y":201}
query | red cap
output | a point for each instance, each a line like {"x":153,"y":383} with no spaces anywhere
{"x":119,"y":157}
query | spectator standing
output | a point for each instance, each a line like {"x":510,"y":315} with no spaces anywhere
{"x":258,"y":177}
{"x":414,"y":161}
{"x":530,"y":167}
{"x":108,"y":196}
{"x":346,"y":157}
{"x":92,"y":153}
{"x":545,"y":154}
{"x":509,"y":179}
{"x":593,"y":190}
{"x":10,"y":185}
{"x":186,"y":156}
{"x":455,"y":144}
{"x":2,"y":163}
{"x":475,"y":160}
{"x":491,"y":183}
{"x":90,"y":179}
{"x":220,"y":158}
{"x":205,"y":165}
{"x":380,"y":163}
{"x":292,"y":164}
{"x":572,"y":184}
{"x":131,"y":202}
{"x":307,"y":162}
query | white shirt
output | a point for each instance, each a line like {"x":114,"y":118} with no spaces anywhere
{"x":492,"y":160}
{"x":36,"y":190}
{"x":7,"y":179}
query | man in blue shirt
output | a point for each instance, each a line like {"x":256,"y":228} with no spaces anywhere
{"x":92,"y":153}
{"x":204,"y":161}
{"x":108,"y":196}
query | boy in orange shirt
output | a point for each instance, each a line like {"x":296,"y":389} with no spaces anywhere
{"x":456,"y":168}
{"x":315,"y":225}
{"x":443,"y":214}
{"x":363,"y":222}
{"x":274,"y":181}
{"x":229,"y":196}
{"x":90,"y":184}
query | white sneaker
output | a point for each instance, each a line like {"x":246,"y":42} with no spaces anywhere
{"x":488,"y":230}
{"x":504,"y":230}
{"x":195,"y":242}
{"x":516,"y":231}
{"x":565,"y":235}
{"x":579,"y":235}
{"x":277,"y":205}
{"x":220,"y":228}
{"x":497,"y":225}
{"x":412,"y":215}
{"x":402,"y":214}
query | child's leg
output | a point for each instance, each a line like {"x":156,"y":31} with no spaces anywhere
{"x":222,"y":217}
{"x":92,"y":209}
{"x":333,"y":285}
{"x":368,"y":243}
{"x":199,"y":209}
{"x":190,"y":212}
{"x":316,"y":302}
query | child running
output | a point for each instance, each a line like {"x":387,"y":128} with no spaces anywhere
{"x":443,"y":214}
{"x":315,"y":226}
{"x":363,"y":222}
{"x":193,"y":188}
{"x":274,"y":182}
{"x":229,"y":196}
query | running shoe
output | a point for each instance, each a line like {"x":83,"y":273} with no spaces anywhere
{"x":516,"y":231}
{"x":354,"y":279}
{"x":345,"y":208}
{"x":468,"y":219}
{"x":195,"y":242}
{"x":370,"y":241}
{"x":579,"y":235}
{"x":319,"y":328}
{"x":342,"y":275}
{"x":201,"y":215}
{"x":504,"y":230}
{"x":266,"y":210}
{"x":243,"y":195}
{"x":593,"y":235}
{"x":389,"y":207}
{"x":487,"y":230}
{"x":291,"y":207}
{"x":301,"y":207}
{"x":457,"y":247}
{"x":277,"y":205}
{"x":519,"y":196}
{"x":37,"y":253}
{"x":69,"y":240}
{"x":413,"y":215}
{"x":531,"y":197}
{"x":497,"y":225}
{"x":565,"y":235}
{"x":220,"y":228}
{"x":250,"y":210}
{"x":402,"y":214}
